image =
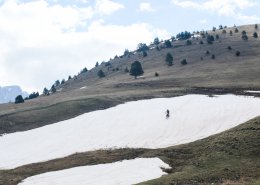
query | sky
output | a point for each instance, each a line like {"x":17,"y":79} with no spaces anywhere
{"x":47,"y":40}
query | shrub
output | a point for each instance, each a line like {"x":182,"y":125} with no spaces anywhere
{"x":229,"y":48}
{"x":168,"y":44}
{"x":224,"y":31}
{"x":238,"y":53}
{"x":201,"y":42}
{"x":188,"y":42}
{"x":62,"y":81}
{"x":101,"y":74}
{"x":169,"y":59}
{"x":19,"y":99}
{"x":220,"y":27}
{"x":236,"y":30}
{"x":45,"y":91}
{"x":142,"y":47}
{"x":217,"y":37}
{"x":214,"y":28}
{"x":207,"y":52}
{"x":210,"y":39}
{"x":256,"y":26}
{"x":184,"y":62}
{"x":136,"y":69}
{"x":156,"y":41}
{"x":201,"y":58}
{"x":69,"y":77}
{"x":230,"y":32}
{"x":245,"y":37}
{"x":33,"y":95}
{"x":156,"y":74}
{"x":53,"y":89}
{"x":213,"y":56}
{"x":255,"y":35}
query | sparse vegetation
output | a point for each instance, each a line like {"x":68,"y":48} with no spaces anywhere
{"x":169,"y":59}
{"x":229,"y":48}
{"x":213,"y":56}
{"x":184,"y":62}
{"x":156,"y":74}
{"x":255,"y":35}
{"x":238,"y":53}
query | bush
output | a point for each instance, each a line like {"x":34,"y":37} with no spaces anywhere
{"x":256,"y":26}
{"x":201,"y":42}
{"x":220,"y":27}
{"x":168,"y":44}
{"x":53,"y":89}
{"x":224,"y":31}
{"x":214,"y":28}
{"x":237,"y":53}
{"x":156,"y":41}
{"x":229,"y":48}
{"x":184,"y":62}
{"x":156,"y":74}
{"x":207,"y":52}
{"x":230,"y":32}
{"x":213,"y":56}
{"x":210,"y":39}
{"x":62,"y":81}
{"x":101,"y":74}
{"x":142,"y":47}
{"x":201,"y":58}
{"x":33,"y":95}
{"x":188,"y":42}
{"x":169,"y":59}
{"x":245,"y":37}
{"x":217,"y":37}
{"x":19,"y":99}
{"x":255,"y":35}
{"x":69,"y":77}
{"x":45,"y":91}
{"x":136,"y":69}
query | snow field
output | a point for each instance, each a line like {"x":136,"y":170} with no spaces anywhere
{"x":119,"y":173}
{"x":139,"y":124}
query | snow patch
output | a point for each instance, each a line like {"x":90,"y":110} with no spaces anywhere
{"x":139,"y":124}
{"x":124,"y":173}
{"x":83,"y":87}
{"x":253,"y":91}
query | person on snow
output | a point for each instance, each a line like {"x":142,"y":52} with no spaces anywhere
{"x":167,"y":113}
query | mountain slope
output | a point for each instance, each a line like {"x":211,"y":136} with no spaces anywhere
{"x":227,"y":73}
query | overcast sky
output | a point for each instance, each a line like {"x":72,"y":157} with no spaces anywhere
{"x":42,"y":41}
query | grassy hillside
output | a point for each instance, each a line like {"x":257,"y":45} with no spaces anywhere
{"x":231,"y":157}
{"x":227,"y":73}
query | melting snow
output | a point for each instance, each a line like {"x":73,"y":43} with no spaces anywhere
{"x":139,"y":124}
{"x":123,"y":173}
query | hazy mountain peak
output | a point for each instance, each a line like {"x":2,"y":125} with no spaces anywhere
{"x":9,"y":93}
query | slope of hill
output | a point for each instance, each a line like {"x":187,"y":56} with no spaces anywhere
{"x":227,"y":73}
{"x":231,"y":157}
{"x":9,"y":93}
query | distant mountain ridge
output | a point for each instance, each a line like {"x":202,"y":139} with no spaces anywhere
{"x":9,"y":93}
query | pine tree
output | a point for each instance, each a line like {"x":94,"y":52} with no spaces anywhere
{"x":136,"y":69}
{"x":169,"y":59}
